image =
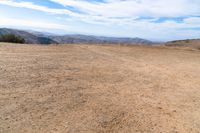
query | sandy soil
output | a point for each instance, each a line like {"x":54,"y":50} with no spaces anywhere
{"x":90,"y":88}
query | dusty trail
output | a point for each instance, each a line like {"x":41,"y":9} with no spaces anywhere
{"x":90,"y":88}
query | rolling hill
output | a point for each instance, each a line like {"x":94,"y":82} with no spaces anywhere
{"x":29,"y":37}
{"x":79,"y":39}
{"x":32,"y":37}
{"x":190,"y":43}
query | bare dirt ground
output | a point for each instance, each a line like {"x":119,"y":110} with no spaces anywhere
{"x":90,"y":88}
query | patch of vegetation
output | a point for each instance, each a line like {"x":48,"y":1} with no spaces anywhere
{"x":187,"y":41}
{"x":11,"y":38}
{"x":44,"y":40}
{"x":174,"y":41}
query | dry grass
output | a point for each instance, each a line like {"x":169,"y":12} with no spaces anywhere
{"x":90,"y":88}
{"x":186,"y":44}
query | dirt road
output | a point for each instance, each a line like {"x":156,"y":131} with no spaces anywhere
{"x":91,"y":88}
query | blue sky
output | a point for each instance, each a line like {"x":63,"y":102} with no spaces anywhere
{"x":159,"y":20}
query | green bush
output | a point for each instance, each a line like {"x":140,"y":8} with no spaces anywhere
{"x":11,"y":38}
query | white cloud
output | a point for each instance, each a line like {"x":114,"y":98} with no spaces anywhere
{"x":30,"y":5}
{"x":122,"y":14}
{"x":83,"y":17}
{"x":192,"y":20}
{"x":117,"y":11}
{"x":135,"y":8}
{"x":31,"y":23}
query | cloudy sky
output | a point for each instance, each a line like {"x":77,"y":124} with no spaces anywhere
{"x":159,"y":20}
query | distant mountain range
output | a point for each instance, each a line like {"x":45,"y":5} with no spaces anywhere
{"x":29,"y":37}
{"x":32,"y":37}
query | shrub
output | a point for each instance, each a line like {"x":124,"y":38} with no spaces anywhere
{"x":11,"y":38}
{"x":187,"y":41}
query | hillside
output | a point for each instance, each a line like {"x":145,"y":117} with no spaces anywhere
{"x":45,"y":38}
{"x":190,"y":43}
{"x":79,"y":39}
{"x":29,"y":38}
{"x":99,"y":89}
